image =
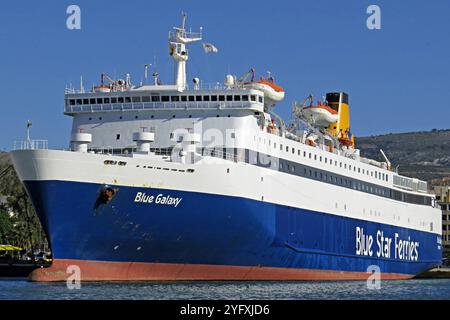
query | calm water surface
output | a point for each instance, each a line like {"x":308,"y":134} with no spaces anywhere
{"x":409,"y":289}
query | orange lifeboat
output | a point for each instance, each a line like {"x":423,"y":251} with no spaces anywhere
{"x":102,"y":88}
{"x":272,"y":92}
{"x":321,"y":115}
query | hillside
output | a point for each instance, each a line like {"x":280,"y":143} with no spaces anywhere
{"x":424,"y":155}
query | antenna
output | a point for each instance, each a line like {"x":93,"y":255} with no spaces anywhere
{"x":146,"y":71}
{"x":28,"y":142}
{"x":178,"y":38}
{"x":81,"y":84}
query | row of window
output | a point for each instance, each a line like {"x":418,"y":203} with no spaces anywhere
{"x":325,"y":176}
{"x":376,"y":174}
{"x":166,"y":169}
{"x":157,"y":98}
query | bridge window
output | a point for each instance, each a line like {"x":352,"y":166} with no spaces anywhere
{"x":253,"y":98}
{"x":245,"y":98}
{"x":260,"y":99}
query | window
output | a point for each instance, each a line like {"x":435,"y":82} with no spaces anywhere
{"x":120,"y":100}
{"x":253,"y":98}
{"x":146,"y":99}
{"x":260,"y":99}
{"x":135,"y":99}
{"x":287,"y":149}
{"x":198,"y":98}
{"x":175,"y":98}
{"x":184,"y":98}
{"x":237,"y":98}
{"x":229,"y":98}
{"x":156,"y":98}
{"x":221,"y":98}
{"x":117,"y":136}
{"x":106,"y":100}
{"x":127,"y":99}
{"x":205,"y":98}
{"x":165,"y":98}
{"x":191,"y":98}
{"x":85,"y":101}
{"x":245,"y":98}
{"x":99,"y":100}
{"x":79,"y":102}
{"x":281,"y":147}
{"x":72,"y":102}
{"x":213,"y":98}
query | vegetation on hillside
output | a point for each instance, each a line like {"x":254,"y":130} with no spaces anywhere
{"x":19,"y":224}
{"x":423,"y":155}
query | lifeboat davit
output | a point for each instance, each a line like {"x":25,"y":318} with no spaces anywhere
{"x":272,"y":92}
{"x":320,"y":115}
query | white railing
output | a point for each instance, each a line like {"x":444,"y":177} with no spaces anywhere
{"x":410,"y":184}
{"x":217,"y":153}
{"x":31,"y":145}
{"x":162,"y":106}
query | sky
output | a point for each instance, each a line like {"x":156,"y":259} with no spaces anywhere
{"x":397,"y":77}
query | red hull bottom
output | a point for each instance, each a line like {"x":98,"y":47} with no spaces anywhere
{"x":138,"y":271}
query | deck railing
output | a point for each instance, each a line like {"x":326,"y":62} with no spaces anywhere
{"x":181,"y":105}
{"x":30,"y":145}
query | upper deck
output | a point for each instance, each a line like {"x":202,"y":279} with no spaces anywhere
{"x":154,"y":99}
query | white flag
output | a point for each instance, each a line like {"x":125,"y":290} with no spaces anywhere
{"x":208,"y":47}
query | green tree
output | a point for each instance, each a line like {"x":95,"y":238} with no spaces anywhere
{"x":24,"y":228}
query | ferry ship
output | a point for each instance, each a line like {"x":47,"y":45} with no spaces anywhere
{"x":193,"y":182}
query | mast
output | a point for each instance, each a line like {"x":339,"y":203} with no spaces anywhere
{"x":178,"y":38}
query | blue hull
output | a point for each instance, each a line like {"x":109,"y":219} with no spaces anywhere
{"x":217,"y":230}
